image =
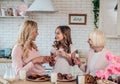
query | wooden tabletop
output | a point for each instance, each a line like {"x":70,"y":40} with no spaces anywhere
{"x":30,"y":82}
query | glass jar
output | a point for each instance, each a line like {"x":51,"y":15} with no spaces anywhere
{"x":9,"y":74}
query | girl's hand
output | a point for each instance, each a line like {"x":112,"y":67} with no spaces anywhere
{"x":57,"y":52}
{"x":60,"y":52}
{"x":64,"y":54}
{"x":77,"y":61}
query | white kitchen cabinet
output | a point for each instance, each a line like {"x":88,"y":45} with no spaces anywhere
{"x":3,"y":67}
{"x":118,"y":19}
{"x":22,"y":17}
{"x":108,"y":18}
{"x":4,"y":63}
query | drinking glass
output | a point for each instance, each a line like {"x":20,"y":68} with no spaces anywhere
{"x":54,"y":77}
{"x":22,"y":75}
{"x":81,"y":79}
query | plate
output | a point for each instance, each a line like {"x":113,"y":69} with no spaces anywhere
{"x":65,"y":80}
{"x":38,"y":78}
{"x":105,"y":82}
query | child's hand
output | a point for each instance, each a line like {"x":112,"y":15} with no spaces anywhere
{"x":77,"y":61}
{"x":57,"y":53}
{"x":63,"y":53}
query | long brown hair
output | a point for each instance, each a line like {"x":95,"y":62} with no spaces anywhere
{"x":67,"y":41}
{"x":24,"y":38}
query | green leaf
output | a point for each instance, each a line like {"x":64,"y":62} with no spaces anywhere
{"x":96,"y":12}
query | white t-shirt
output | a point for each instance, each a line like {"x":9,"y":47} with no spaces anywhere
{"x":62,"y":65}
{"x":93,"y":62}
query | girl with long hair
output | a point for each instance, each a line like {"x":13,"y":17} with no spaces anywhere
{"x":62,"y":50}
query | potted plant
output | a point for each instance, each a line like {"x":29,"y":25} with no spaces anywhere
{"x":96,"y":12}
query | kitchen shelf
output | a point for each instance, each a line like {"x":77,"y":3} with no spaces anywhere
{"x":13,"y":16}
{"x":113,"y":36}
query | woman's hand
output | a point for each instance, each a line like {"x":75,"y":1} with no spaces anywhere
{"x":49,"y":58}
{"x":52,"y":60}
{"x":39,"y":60}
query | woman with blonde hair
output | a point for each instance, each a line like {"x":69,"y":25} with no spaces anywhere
{"x":96,"y":59}
{"x":25,"y":55}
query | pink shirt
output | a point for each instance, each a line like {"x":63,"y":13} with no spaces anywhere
{"x":19,"y":64}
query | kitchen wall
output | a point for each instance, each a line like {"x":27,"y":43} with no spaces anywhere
{"x":48,"y":22}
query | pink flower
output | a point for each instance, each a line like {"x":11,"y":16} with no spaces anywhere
{"x":116,"y":59}
{"x":106,"y":74}
{"x":112,"y":68}
{"x":117,"y":69}
{"x":109,"y":56}
{"x":100,"y":74}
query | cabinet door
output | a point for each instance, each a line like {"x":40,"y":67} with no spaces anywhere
{"x":118,"y":19}
{"x":108,"y":17}
{"x":3,"y":68}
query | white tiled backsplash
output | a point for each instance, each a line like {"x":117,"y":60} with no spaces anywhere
{"x":48,"y":22}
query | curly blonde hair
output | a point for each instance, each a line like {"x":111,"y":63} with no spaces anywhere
{"x":24,"y":38}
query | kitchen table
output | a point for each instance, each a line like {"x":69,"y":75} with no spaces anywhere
{"x":30,"y":82}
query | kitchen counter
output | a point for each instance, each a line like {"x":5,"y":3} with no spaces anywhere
{"x":5,"y":60}
{"x":29,"y":82}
